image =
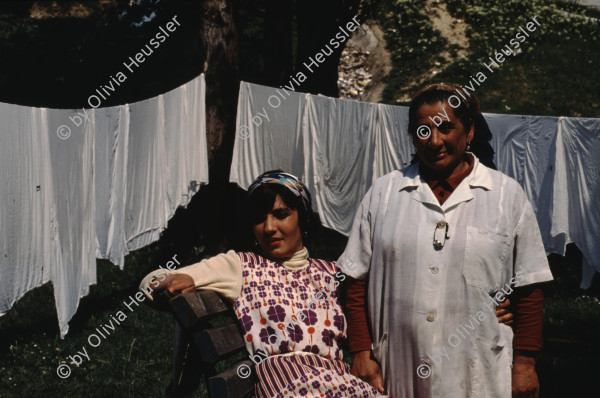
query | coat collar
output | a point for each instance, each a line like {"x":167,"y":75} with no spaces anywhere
{"x":411,"y":180}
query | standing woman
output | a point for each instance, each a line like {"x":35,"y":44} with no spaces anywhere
{"x":433,"y":249}
{"x":285,"y":301}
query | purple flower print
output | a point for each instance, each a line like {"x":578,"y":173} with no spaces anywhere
{"x":291,"y":387}
{"x":338,"y":322}
{"x":245,"y":310}
{"x":310,"y":317}
{"x":253,"y":284}
{"x":247,"y":323}
{"x":317,"y":277}
{"x":262,"y":294}
{"x":276,"y":313}
{"x":271,"y":274}
{"x":258,"y":274}
{"x":301,"y":288}
{"x":353,"y":382}
{"x":271,"y":302}
{"x":303,"y":379}
{"x":303,"y":296}
{"x":328,"y":337}
{"x":294,"y":284}
{"x":316,"y":384}
{"x":249,"y":297}
{"x":312,"y":349}
{"x":285,"y":302}
{"x":303,"y":391}
{"x":245,"y":273}
{"x":343,"y":387}
{"x":295,"y":333}
{"x":327,"y":279}
{"x":299,"y":305}
{"x":327,"y":378}
{"x":284,"y":347}
{"x":289,"y":290}
{"x":351,"y":390}
{"x":257,"y":304}
{"x":276,"y":293}
{"x":247,"y":290}
{"x":266,"y":335}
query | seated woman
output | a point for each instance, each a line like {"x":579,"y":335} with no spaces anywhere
{"x":285,"y":301}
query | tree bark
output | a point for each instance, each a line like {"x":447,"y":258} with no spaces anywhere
{"x":318,"y":22}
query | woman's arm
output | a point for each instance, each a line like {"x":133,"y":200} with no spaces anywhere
{"x":528,"y":304}
{"x":221,"y":273}
{"x":364,"y":365}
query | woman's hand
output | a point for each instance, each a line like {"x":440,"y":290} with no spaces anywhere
{"x":366,"y":368}
{"x":177,"y":283}
{"x":524,"y":379}
{"x":503,"y":313}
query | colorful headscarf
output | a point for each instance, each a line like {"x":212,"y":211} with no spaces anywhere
{"x":289,"y":181}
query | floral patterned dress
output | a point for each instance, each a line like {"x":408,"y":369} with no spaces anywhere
{"x":292,"y":322}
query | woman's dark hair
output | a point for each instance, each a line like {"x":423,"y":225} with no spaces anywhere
{"x":468,"y":112}
{"x":260,"y":202}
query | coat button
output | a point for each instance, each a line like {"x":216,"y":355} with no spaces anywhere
{"x":430,"y":317}
{"x":434,"y":270}
{"x":441,"y":224}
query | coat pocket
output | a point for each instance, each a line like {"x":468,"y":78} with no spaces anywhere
{"x":485,"y":253}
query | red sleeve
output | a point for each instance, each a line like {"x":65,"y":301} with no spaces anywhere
{"x":359,"y":339}
{"x":529,"y":307}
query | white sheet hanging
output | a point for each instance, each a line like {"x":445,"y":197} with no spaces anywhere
{"x":339,"y":146}
{"x":109,"y":188}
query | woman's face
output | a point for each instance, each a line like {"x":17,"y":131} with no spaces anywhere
{"x":444,"y":149}
{"x":279,"y":233}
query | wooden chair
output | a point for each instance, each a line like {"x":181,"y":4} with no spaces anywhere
{"x":200,"y":347}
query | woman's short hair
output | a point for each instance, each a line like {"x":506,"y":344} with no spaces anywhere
{"x":467,"y":111}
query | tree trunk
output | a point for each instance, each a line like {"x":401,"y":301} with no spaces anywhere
{"x":318,"y":23}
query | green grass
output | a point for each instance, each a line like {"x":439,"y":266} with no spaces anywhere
{"x":556,"y":74}
{"x":133,"y":361}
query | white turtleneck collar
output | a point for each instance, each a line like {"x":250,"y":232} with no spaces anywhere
{"x":297,"y":262}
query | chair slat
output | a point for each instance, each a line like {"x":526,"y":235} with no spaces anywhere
{"x":195,"y":307}
{"x":218,"y":343}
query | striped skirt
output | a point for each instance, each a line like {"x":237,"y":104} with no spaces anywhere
{"x":308,"y":375}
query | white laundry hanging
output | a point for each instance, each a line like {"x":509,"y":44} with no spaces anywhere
{"x":107,"y":189}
